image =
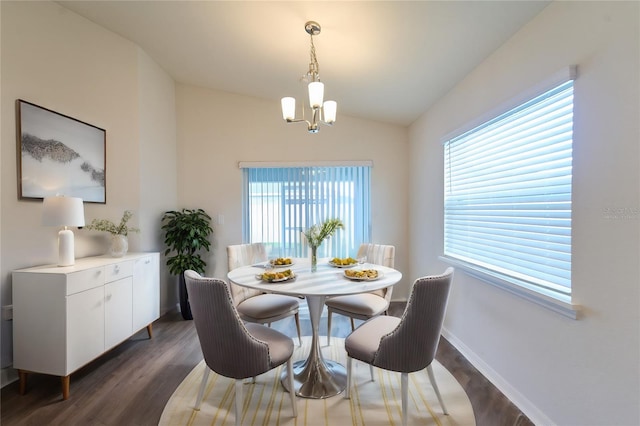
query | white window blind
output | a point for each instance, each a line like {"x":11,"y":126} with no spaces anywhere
{"x":507,"y":204}
{"x":280,"y":202}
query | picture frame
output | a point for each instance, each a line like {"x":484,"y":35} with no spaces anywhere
{"x":59,"y":155}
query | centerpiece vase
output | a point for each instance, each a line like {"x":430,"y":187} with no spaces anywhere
{"x":119,"y":245}
{"x":314,"y":258}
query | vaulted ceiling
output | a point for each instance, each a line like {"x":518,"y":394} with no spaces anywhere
{"x":380,"y":60}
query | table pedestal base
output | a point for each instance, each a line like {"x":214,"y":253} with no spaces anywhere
{"x":327,"y":379}
{"x":316,"y":377}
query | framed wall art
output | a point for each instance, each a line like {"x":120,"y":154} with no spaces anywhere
{"x":59,"y":155}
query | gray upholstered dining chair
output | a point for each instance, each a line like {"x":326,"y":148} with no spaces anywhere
{"x":230,"y":347}
{"x":364,"y":305}
{"x":404,"y":344}
{"x":254,"y":305}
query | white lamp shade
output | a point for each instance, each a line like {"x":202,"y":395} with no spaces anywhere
{"x":288,"y":108}
{"x":62,"y":211}
{"x":316,"y":94}
{"x":329,"y":110}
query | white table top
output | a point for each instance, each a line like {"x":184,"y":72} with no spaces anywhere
{"x":326,"y":281}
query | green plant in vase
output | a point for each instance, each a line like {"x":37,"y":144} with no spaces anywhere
{"x":187,"y":236}
{"x":119,"y":232}
{"x":317,"y":234}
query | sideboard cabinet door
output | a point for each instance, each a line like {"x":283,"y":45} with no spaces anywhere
{"x":146,"y":291}
{"x":117,"y":314}
{"x":85,"y":327}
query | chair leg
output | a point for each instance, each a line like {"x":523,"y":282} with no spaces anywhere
{"x":239,"y":402}
{"x":371,"y":372}
{"x":203,"y":385}
{"x":353,"y":324}
{"x":404,"y":383}
{"x":432,"y":379}
{"x":329,"y":313}
{"x":292,"y":392}
{"x":297,"y":317}
{"x":347,"y":392}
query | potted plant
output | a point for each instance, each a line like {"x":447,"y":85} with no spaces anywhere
{"x":119,"y":233}
{"x":186,"y":235}
{"x":317,"y":234}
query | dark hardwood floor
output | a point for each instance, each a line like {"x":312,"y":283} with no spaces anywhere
{"x":131,"y":384}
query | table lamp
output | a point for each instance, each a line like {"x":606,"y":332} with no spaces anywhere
{"x":63,"y":211}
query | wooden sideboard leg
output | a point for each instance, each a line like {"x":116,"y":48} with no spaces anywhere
{"x":65,"y":387}
{"x":150,"y":330}
{"x":23,"y":381}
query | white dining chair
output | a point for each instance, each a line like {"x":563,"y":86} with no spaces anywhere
{"x":254,"y":305}
{"x":365,"y":305}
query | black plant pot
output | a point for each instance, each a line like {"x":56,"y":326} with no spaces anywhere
{"x":185,"y":308}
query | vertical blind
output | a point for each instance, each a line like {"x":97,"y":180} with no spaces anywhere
{"x":280,"y":202}
{"x":507,"y":206}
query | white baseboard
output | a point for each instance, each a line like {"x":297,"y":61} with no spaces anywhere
{"x":8,"y":375}
{"x":519,"y":400}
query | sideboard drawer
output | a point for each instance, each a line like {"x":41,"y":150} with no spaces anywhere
{"x":85,"y":280}
{"x":118,"y":271}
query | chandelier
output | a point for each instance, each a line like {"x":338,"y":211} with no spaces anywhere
{"x":321,"y":112}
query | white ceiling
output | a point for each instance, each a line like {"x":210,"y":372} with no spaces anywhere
{"x":386,"y":61}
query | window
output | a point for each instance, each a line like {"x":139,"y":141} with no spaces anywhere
{"x":507,"y":202}
{"x":279,"y":202}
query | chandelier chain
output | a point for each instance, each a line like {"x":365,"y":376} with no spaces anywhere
{"x":314,"y":68}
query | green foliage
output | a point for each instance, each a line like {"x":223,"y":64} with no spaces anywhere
{"x":318,"y":233}
{"x":186,"y":234}
{"x":110,"y":227}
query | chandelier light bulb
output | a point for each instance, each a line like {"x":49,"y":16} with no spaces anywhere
{"x":316,"y":94}
{"x":288,"y":108}
{"x":329,"y":110}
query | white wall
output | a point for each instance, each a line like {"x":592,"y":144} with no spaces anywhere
{"x":558,"y":370}
{"x":58,"y":60}
{"x":157,"y":163}
{"x":216,"y":130}
{"x":5,"y":326}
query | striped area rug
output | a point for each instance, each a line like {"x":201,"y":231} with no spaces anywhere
{"x":372,"y":403}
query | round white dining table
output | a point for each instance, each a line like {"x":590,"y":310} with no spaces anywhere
{"x":315,"y":377}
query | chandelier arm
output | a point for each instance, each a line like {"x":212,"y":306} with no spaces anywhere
{"x":297,"y":120}
{"x":316,"y":118}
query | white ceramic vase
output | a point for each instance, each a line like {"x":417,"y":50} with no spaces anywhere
{"x":119,"y":245}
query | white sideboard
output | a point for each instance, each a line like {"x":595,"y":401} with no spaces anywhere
{"x":66,"y":316}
